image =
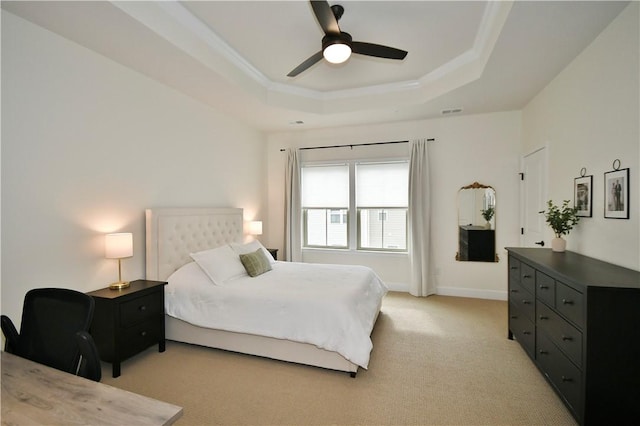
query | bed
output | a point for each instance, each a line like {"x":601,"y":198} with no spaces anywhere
{"x":174,"y":235}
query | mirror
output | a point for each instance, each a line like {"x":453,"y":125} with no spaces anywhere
{"x":477,"y":223}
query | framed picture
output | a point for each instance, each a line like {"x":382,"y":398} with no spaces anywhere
{"x":616,"y":194}
{"x":583,"y":195}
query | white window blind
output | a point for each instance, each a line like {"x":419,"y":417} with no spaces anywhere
{"x":382,"y":184}
{"x":325,"y":186}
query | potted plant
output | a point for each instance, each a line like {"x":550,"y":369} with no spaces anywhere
{"x":487,"y":214}
{"x":562,"y":220}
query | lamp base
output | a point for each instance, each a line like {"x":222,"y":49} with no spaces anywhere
{"x":119,"y":285}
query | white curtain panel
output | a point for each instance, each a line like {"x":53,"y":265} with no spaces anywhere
{"x":419,"y":219}
{"x":293,"y":208}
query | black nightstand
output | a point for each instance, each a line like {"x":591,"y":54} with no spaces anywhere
{"x":274,"y":253}
{"x":128,"y":321}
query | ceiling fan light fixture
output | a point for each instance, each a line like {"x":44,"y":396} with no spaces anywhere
{"x":337,"y":53}
{"x":336,"y":48}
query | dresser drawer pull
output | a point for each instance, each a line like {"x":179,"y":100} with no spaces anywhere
{"x":526,"y":333}
{"x":143,"y":308}
{"x":526,"y":302}
{"x":542,"y":317}
{"x":527,"y":276}
{"x":143,"y":333}
{"x":543,"y":352}
{"x":514,"y":290}
{"x":567,"y":302}
{"x":567,"y":338}
{"x":544,"y":287}
{"x":514,"y":317}
{"x":514,"y":268}
{"x":566,"y":379}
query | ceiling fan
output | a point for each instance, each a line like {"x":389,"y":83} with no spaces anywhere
{"x":337,"y":45}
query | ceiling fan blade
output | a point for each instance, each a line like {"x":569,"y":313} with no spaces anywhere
{"x":325,"y":17}
{"x":377,"y":50}
{"x":306,"y":64}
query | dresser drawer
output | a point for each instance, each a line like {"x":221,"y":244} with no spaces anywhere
{"x":514,"y":269}
{"x":566,"y":377}
{"x":528,"y":278}
{"x":141,"y":308}
{"x":523,"y":329}
{"x":570,"y":303}
{"x":545,"y":288}
{"x":565,"y":336}
{"x":523,"y":300}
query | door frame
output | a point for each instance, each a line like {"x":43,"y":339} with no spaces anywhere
{"x":545,"y":186}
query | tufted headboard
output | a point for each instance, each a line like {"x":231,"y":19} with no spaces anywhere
{"x":174,"y":233}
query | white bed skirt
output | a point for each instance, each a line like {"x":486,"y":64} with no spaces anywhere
{"x":268,"y":347}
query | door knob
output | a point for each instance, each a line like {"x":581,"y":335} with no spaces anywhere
{"x":540,"y":243}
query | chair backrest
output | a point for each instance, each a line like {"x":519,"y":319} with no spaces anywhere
{"x":51,"y":317}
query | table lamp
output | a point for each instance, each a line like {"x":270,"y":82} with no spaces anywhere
{"x":118,"y":246}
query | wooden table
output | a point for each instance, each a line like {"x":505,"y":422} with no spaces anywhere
{"x":34,"y":394}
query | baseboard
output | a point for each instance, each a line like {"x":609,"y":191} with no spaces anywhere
{"x":472,"y":292}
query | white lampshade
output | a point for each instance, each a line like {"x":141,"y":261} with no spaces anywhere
{"x":118,"y":246}
{"x":337,"y":53}
{"x":255,"y":227}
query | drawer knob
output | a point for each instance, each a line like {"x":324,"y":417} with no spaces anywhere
{"x":542,"y":352}
{"x":514,"y":268}
{"x":526,"y":302}
{"x":525,"y":332}
{"x":567,"y":338}
{"x":567,"y":302}
{"x":143,"y":333}
{"x":514,"y":317}
{"x":527,"y":276}
{"x":544,"y":287}
{"x":542,"y":317}
{"x":143,"y":308}
{"x":514,"y":290}
{"x":566,"y":379}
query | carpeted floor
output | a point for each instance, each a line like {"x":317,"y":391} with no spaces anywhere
{"x":436,"y":361}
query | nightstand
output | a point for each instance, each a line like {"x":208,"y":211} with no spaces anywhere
{"x":274,"y":253}
{"x":128,"y":321}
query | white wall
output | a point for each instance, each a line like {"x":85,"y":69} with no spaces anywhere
{"x":483,"y":148}
{"x":589,"y":117}
{"x":87,"y":145}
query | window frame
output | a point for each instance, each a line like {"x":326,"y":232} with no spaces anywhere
{"x":353,"y":217}
{"x":359,"y":245}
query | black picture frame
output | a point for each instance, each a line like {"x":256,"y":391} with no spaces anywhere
{"x":583,"y":195}
{"x":616,"y":194}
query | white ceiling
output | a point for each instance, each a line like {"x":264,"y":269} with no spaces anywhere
{"x":234,"y":55}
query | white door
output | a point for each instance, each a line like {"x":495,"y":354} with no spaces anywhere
{"x":533,"y":199}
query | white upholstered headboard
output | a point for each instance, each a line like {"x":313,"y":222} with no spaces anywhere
{"x":174,"y":233}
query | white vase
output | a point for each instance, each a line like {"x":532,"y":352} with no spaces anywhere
{"x":558,"y":244}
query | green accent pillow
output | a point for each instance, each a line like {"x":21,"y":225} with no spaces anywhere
{"x":255,"y":263}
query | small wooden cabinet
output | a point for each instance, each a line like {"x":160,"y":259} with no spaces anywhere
{"x":128,"y":321}
{"x":274,"y":253}
{"x":578,"y":318}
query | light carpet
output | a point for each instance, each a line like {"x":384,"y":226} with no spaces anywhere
{"x":436,"y":361}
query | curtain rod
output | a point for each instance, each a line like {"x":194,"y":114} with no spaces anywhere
{"x":354,"y":144}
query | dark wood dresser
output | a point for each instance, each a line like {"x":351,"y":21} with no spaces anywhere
{"x":477,"y":243}
{"x":128,"y":321}
{"x":578,"y":318}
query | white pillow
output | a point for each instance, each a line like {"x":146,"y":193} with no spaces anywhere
{"x":185,"y":275}
{"x":221,"y":264}
{"x":250,"y":248}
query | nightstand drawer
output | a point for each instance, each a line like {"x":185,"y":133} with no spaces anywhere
{"x":141,"y":308}
{"x":545,"y":288}
{"x":140,"y":336}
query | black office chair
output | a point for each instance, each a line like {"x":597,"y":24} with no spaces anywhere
{"x":54,"y":331}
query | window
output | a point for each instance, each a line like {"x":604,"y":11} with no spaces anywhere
{"x":377,"y":203}
{"x":382,"y":199}
{"x":325,"y":205}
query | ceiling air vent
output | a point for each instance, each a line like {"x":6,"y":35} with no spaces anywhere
{"x":451,"y":111}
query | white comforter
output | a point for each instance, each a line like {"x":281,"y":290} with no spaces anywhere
{"x":333,"y":307}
